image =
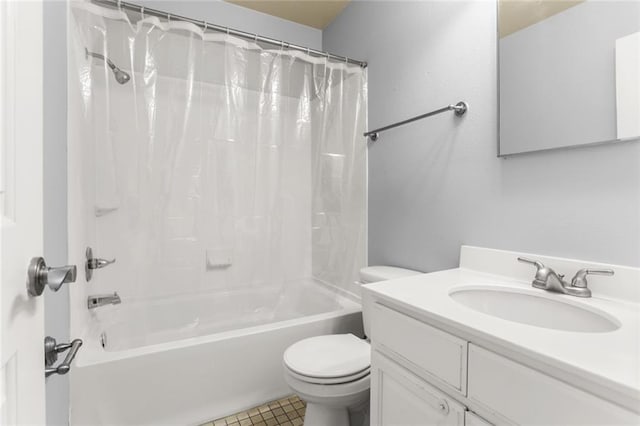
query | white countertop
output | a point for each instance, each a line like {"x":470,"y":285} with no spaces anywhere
{"x":604,"y":363}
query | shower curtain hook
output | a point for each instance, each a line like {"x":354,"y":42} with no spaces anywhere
{"x":119,"y":4}
{"x":205,"y":24}
{"x":255,"y":38}
{"x":227,"y":30}
{"x":142,"y":12}
{"x":168,"y":17}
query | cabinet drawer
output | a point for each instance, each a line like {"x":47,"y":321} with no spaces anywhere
{"x":437,"y":354}
{"x":527,"y":396}
{"x":400,"y":398}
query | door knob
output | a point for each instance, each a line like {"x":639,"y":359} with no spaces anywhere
{"x":40,"y":275}
{"x":51,"y":351}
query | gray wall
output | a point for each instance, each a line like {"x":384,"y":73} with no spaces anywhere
{"x":436,"y":184}
{"x":55,"y":144}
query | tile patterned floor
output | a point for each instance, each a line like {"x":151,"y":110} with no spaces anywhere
{"x":283,"y":412}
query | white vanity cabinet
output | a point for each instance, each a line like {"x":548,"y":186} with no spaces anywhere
{"x":422,"y":375}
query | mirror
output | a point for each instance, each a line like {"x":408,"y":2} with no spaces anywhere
{"x":569,"y":73}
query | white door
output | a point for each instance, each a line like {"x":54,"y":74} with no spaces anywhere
{"x":21,"y":316}
{"x":399,"y":398}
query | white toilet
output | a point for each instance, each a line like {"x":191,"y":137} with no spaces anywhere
{"x":331,"y":373}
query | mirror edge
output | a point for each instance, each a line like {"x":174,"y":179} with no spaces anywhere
{"x":499,"y":155}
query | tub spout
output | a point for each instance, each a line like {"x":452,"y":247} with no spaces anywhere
{"x":103,"y":299}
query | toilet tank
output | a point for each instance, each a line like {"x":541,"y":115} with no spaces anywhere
{"x":373,"y":274}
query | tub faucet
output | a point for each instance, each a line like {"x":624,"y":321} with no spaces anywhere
{"x":547,"y":279}
{"x":103,"y":299}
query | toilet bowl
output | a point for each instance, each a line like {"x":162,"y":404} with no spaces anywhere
{"x":331,"y":372}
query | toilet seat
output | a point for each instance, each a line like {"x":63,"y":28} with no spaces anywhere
{"x":330,"y":359}
{"x":329,"y":381}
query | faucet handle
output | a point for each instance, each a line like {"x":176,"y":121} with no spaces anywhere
{"x":535,"y":263}
{"x":580,"y":279}
{"x":542,"y":272}
{"x":99,"y":263}
{"x":93,"y":263}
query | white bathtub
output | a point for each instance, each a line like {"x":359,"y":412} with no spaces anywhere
{"x":188,"y":360}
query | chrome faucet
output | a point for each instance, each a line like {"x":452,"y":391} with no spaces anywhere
{"x":547,"y":279}
{"x":102,"y":300}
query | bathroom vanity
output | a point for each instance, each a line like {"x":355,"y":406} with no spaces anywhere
{"x":478,"y":345}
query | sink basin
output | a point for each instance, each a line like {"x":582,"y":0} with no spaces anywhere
{"x":538,"y":309}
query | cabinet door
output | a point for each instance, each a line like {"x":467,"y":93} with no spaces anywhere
{"x":399,"y":398}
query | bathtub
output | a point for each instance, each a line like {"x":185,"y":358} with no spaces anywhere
{"x":192,"y":359}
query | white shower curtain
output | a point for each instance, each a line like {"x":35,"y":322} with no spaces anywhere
{"x":221,"y":166}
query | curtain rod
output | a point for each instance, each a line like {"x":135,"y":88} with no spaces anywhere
{"x":460,"y":108}
{"x":208,"y":26}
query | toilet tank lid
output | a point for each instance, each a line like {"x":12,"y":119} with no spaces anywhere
{"x":372,"y":274}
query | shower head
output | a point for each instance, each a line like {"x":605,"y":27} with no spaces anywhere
{"x":120,"y":76}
